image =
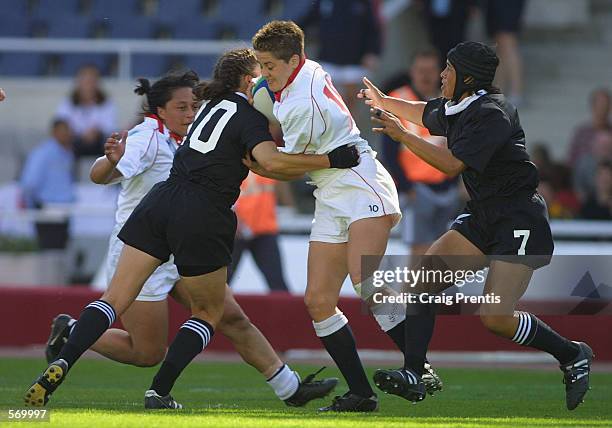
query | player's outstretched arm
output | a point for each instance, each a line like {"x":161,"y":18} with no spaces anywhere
{"x":411,"y":111}
{"x":271,"y":160}
{"x":440,"y":158}
{"x":103,"y":170}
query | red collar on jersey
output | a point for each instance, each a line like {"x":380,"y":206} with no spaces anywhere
{"x":160,"y":127}
{"x":277,"y":95}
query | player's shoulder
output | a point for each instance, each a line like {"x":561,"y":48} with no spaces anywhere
{"x":491,"y":107}
{"x":247,"y":114}
{"x":142,"y":132}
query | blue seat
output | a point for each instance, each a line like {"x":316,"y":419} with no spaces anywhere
{"x":295,"y":9}
{"x":131,"y":27}
{"x":21,"y":64}
{"x":9,"y":8}
{"x":14,"y":26}
{"x":176,"y":11}
{"x":239,"y":13}
{"x":70,"y":63}
{"x":51,"y":9}
{"x":69,"y":27}
{"x":149,"y":65}
{"x":195,"y":28}
{"x":115,"y":8}
{"x":202,"y":64}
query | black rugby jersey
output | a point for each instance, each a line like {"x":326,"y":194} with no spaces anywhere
{"x":224,"y":130}
{"x":488,"y":138}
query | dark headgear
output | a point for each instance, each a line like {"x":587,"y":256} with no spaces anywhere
{"x":475,"y":64}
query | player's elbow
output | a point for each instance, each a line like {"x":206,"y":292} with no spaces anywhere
{"x":272,"y":164}
{"x":454,"y":168}
{"x":95,"y":177}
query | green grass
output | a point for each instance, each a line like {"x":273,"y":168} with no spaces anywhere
{"x":106,"y":394}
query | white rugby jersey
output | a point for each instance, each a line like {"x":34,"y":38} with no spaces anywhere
{"x":149,"y":152}
{"x":313,"y":116}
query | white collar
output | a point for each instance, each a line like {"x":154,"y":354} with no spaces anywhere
{"x":242,"y":95}
{"x":451,"y":107}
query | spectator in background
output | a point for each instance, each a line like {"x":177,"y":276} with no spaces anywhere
{"x":47,"y":178}
{"x":430,"y":198}
{"x":584,"y":177}
{"x":503,"y":21}
{"x":584,"y":135}
{"x":446,"y":23}
{"x":556,"y":188}
{"x":555,"y":184}
{"x":89,"y":112}
{"x":350,"y":41}
{"x":2,"y":94}
{"x":598,"y":206}
{"x":258,"y":230}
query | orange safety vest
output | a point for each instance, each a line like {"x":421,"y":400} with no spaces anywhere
{"x":256,"y":206}
{"x":415,"y":168}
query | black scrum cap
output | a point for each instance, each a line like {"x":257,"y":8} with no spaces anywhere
{"x":475,"y":64}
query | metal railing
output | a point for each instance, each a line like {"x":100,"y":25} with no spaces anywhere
{"x":123,"y":48}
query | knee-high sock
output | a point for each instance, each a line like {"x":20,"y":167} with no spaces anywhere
{"x":191,"y":339}
{"x":419,"y":325}
{"x":533,"y":332}
{"x":338,"y":339}
{"x":95,"y":319}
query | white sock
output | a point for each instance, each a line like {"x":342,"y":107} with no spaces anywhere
{"x":284,"y":382}
{"x":388,"y":315}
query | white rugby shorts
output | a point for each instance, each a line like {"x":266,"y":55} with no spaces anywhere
{"x":159,"y":284}
{"x":364,"y":191}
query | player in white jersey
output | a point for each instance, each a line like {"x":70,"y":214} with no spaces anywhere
{"x":142,"y":158}
{"x":355,"y":208}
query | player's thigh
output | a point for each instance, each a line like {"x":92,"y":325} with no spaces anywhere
{"x":327,"y":269}
{"x":507,"y":281}
{"x":367,"y":237}
{"x":233,"y":317}
{"x":147,"y":324}
{"x":133,"y":269}
{"x":206,"y":293}
{"x":451,"y":252}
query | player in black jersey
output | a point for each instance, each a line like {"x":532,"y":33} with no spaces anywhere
{"x":189,"y":216}
{"x":504,"y":226}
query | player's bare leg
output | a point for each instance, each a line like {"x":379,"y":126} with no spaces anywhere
{"x":420,"y":317}
{"x":327,"y":270}
{"x":132,"y":271}
{"x":248,"y":341}
{"x":256,"y":351}
{"x":207,"y":294}
{"x":145,"y":338}
{"x":509,"y":281}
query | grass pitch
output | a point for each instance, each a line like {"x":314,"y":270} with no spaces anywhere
{"x":106,"y":394}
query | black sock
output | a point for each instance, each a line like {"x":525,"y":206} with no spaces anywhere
{"x":533,"y":332}
{"x":418,"y":328}
{"x":398,"y":336}
{"x":340,"y":344}
{"x":190,"y":340}
{"x":95,"y":319}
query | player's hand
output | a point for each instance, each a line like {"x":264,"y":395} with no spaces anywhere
{"x":2,"y":94}
{"x":371,"y":95}
{"x":249,"y":91}
{"x":343,"y":157}
{"x":387,"y":124}
{"x":114,"y":148}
